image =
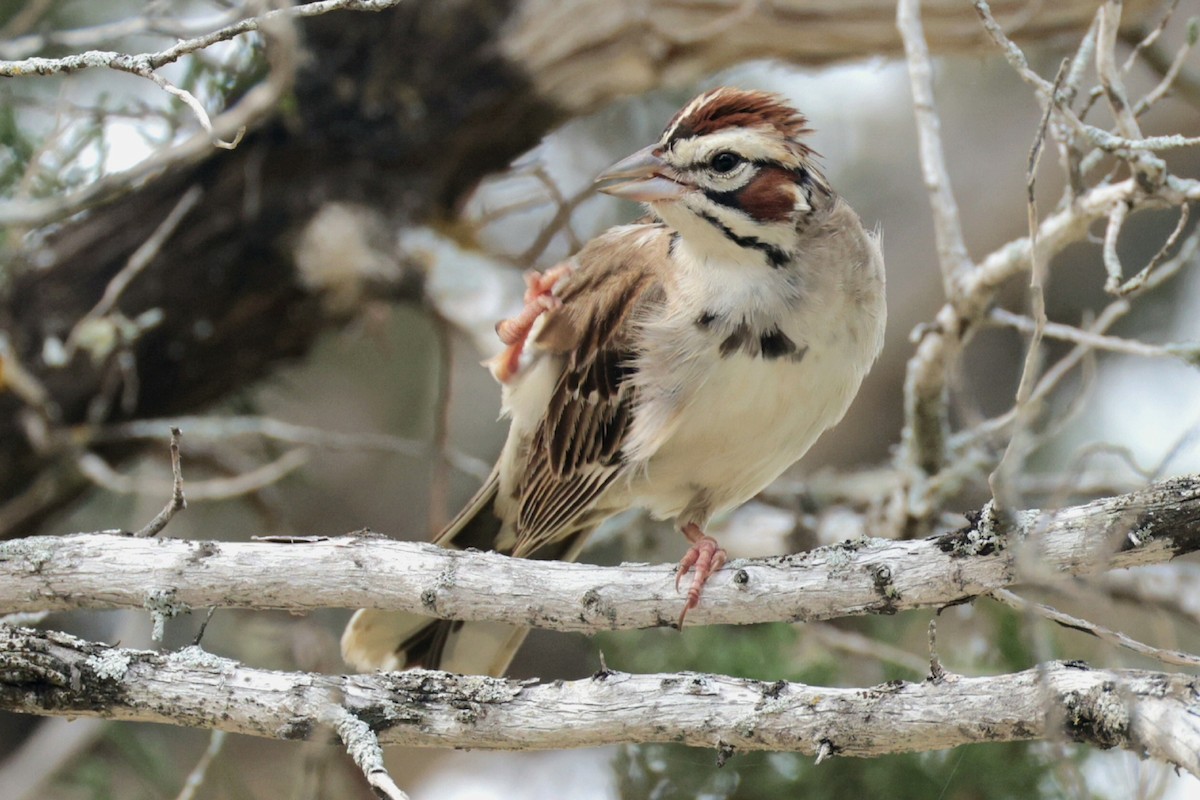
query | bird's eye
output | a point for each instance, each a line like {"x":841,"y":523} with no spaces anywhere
{"x":724,"y":161}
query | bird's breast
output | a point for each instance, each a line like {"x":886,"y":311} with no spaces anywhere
{"x":761,"y":398}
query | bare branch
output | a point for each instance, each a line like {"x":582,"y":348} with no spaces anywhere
{"x":254,"y":106}
{"x":1099,"y":631}
{"x":195,"y":778}
{"x":868,"y":576}
{"x":177,"y":502}
{"x":952,"y":250}
{"x":1096,"y":341}
{"x":1146,"y":712}
{"x":152,"y":61}
{"x":101,"y":473}
{"x":363,"y":746}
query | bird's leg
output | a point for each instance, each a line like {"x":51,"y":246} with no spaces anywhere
{"x":705,"y":556}
{"x":513,"y":332}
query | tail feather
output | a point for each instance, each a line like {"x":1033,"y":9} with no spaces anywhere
{"x":391,"y":640}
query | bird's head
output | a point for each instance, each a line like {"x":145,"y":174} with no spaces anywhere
{"x":732,"y":166}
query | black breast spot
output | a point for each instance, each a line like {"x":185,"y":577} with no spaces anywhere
{"x":740,"y":339}
{"x":776,"y":344}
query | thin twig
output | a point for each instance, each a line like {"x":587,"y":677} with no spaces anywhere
{"x":363,"y":746}
{"x":154,"y":60}
{"x":1097,"y":341}
{"x":952,"y":250}
{"x":1108,"y":635}
{"x":1151,"y":37}
{"x":177,"y":502}
{"x":1137,"y":281}
{"x":101,"y":473}
{"x":137,"y":262}
{"x":936,"y":671}
{"x":835,"y":638}
{"x":1112,"y":261}
{"x":195,"y":778}
{"x":231,"y":427}
{"x":260,"y":101}
{"x":1010,"y":461}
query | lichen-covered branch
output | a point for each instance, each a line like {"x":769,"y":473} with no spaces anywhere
{"x":868,"y":576}
{"x":1145,"y":712}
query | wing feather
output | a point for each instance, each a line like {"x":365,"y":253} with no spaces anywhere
{"x":575,"y":451}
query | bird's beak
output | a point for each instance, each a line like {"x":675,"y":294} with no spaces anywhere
{"x":640,"y":177}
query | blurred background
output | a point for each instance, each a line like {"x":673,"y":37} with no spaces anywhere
{"x":401,"y":370}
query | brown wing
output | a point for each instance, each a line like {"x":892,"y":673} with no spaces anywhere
{"x":575,"y":453}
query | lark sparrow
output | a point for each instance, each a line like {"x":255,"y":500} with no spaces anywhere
{"x":678,"y":364}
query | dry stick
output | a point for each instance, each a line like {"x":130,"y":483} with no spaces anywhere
{"x":834,"y":638}
{"x":1111,"y":313}
{"x":1145,"y":712}
{"x":177,"y":502}
{"x":195,"y":778}
{"x":231,"y":427}
{"x":1151,"y":37}
{"x":1138,"y":281}
{"x":952,"y":250}
{"x":1110,"y":75}
{"x":564,"y":209}
{"x":1187,"y":353}
{"x":1112,"y":262}
{"x":86,"y":38}
{"x":154,"y":60}
{"x":363,"y":746}
{"x":1169,"y":587}
{"x":937,"y":672}
{"x":439,"y":481}
{"x":1185,"y":82}
{"x":99,"y":472}
{"x":1169,"y":78}
{"x":255,"y":104}
{"x":1009,"y":463}
{"x":870,"y":576}
{"x":1108,"y":635}
{"x":137,"y":262}
{"x":925,"y":416}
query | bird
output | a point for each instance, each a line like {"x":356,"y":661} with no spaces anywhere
{"x":679,"y":363}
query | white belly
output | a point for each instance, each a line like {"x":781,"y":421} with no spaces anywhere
{"x":751,"y":420}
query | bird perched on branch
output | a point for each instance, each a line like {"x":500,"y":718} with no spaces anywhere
{"x":678,"y":364}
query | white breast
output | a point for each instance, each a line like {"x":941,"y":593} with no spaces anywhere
{"x":715,"y":430}
{"x":751,"y":420}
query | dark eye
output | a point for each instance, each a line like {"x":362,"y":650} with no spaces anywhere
{"x":724,"y":161}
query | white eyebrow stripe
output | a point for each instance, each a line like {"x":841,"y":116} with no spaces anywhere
{"x":761,"y":143}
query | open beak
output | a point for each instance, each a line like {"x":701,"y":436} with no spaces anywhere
{"x":640,"y":177}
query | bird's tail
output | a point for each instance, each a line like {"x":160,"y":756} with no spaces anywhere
{"x":391,"y":640}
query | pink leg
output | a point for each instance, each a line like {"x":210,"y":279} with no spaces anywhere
{"x":706,"y":556}
{"x":539,"y":298}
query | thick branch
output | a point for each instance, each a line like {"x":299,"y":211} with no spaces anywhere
{"x":870,"y":576}
{"x":1146,"y":712}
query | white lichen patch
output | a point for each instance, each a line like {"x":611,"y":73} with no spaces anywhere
{"x":110,"y":665}
{"x":197,"y":657}
{"x":161,"y":604}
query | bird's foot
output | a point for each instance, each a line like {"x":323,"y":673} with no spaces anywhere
{"x":514,"y":332}
{"x":705,"y":556}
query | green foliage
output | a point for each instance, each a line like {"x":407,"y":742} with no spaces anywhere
{"x":16,"y":147}
{"x":978,"y":772}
